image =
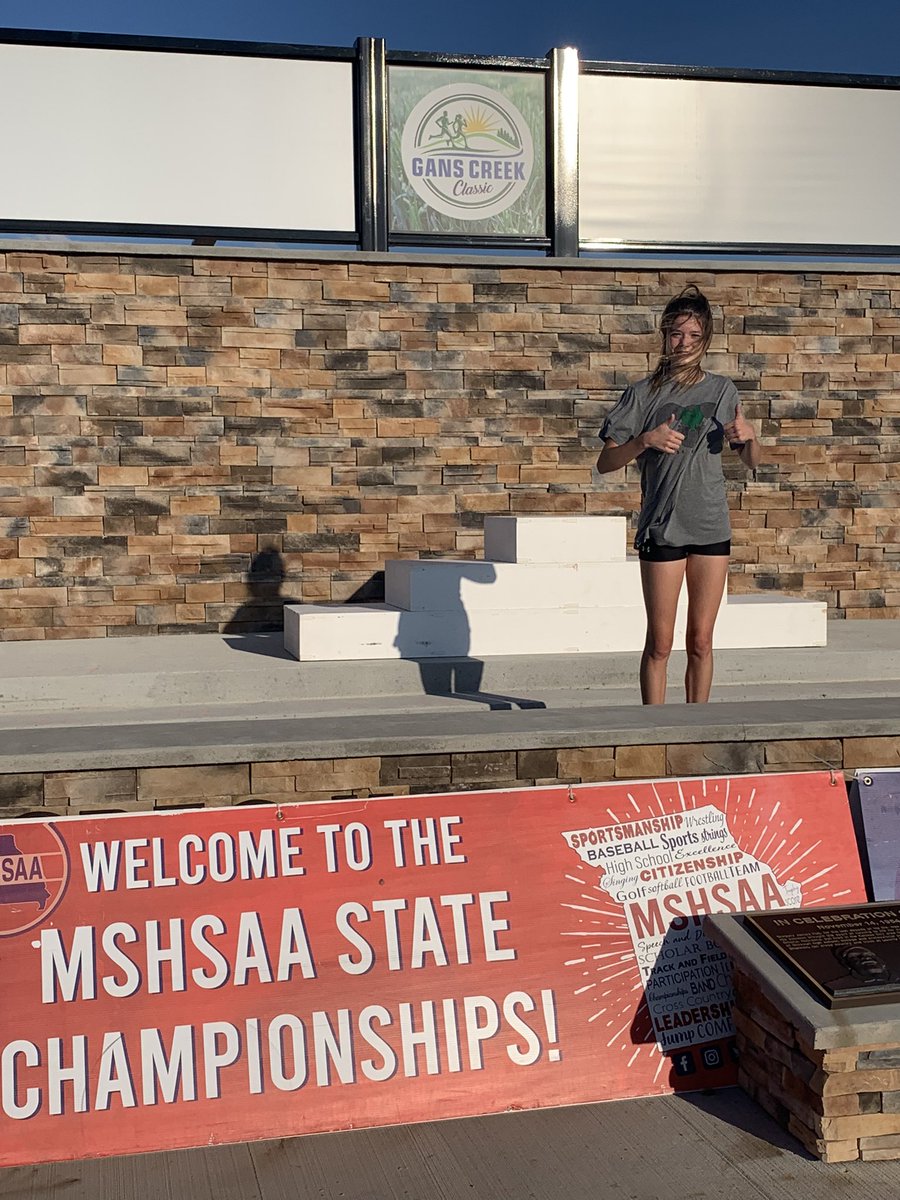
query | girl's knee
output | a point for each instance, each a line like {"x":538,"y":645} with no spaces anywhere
{"x":699,"y":643}
{"x":659,"y":649}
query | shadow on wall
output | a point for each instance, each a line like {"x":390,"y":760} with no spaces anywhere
{"x":262,"y":612}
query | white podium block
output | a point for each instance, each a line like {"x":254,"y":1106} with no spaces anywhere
{"x":333,"y":632}
{"x":770,"y":621}
{"x":443,"y":584}
{"x":316,"y":633}
{"x":609,"y":584}
{"x":547,"y":585}
{"x":554,"y":540}
{"x":566,"y":630}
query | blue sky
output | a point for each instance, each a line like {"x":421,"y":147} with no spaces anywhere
{"x":798,"y":35}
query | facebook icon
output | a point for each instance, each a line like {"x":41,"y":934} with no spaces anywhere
{"x":683,"y":1063}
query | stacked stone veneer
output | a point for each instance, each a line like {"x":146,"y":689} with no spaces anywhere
{"x":841,"y":1104}
{"x":46,"y":793}
{"x":166,"y":419}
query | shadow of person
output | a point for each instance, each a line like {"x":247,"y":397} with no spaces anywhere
{"x":686,"y":1004}
{"x":685,"y":1009}
{"x":262,"y":611}
{"x":446,"y":625}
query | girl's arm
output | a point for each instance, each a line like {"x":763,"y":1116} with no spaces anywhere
{"x":741,"y":434}
{"x":750,"y":453}
{"x":613,"y":456}
{"x":664,"y":438}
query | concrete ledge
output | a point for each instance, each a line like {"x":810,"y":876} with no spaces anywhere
{"x":627,"y":260}
{"x":124,"y":742}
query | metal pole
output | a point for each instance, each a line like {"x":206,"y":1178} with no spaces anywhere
{"x":371,"y":144}
{"x":562,"y":152}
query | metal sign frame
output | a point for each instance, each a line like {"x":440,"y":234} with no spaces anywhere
{"x":370,"y":58}
{"x":735,"y":75}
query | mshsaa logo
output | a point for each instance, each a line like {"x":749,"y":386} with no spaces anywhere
{"x":34,"y":872}
{"x":467,"y":151}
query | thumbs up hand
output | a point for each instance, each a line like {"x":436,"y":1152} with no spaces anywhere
{"x":740,"y":429}
{"x":664,"y":437}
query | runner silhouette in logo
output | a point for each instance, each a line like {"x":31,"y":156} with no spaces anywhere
{"x":443,"y":124}
{"x":453,"y":133}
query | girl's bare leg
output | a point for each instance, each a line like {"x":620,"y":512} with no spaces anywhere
{"x":661,"y":582}
{"x":706,"y":575}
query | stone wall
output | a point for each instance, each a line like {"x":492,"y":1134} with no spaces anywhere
{"x":842,"y":1105}
{"x":187,"y":440}
{"x":252,"y":781}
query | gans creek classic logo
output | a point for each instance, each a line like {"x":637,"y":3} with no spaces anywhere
{"x":34,"y":872}
{"x":467,"y":151}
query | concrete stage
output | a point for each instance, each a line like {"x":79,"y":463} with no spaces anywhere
{"x":117,"y":703}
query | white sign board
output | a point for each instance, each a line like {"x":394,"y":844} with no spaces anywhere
{"x":129,"y":137}
{"x":692,"y":161}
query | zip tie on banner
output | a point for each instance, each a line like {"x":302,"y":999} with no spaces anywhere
{"x":573,"y":799}
{"x":828,"y":765}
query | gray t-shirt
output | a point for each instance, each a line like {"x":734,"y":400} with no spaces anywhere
{"x":683,"y":494}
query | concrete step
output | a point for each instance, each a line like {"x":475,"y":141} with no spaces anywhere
{"x":554,"y":539}
{"x":367,"y":631}
{"x":443,"y":584}
{"x":141,"y":673}
{"x":316,"y":633}
{"x":770,"y":622}
{"x":547,"y":585}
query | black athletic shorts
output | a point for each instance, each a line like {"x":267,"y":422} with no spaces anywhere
{"x":654,"y":553}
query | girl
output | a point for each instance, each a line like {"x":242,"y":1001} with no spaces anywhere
{"x":676,"y":423}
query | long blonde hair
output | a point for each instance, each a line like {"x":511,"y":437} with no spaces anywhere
{"x":688,"y":303}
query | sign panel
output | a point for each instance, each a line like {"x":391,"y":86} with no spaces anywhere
{"x":848,"y":955}
{"x":878,"y":793}
{"x":222,"y":975}
{"x":179,"y":140}
{"x":467,"y":152}
{"x":714,"y":161}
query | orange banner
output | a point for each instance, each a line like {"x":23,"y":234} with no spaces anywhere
{"x":208,"y":976}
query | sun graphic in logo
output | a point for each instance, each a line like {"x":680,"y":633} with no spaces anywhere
{"x":478,"y":120}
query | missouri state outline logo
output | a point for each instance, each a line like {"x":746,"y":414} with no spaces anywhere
{"x":34,"y":874}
